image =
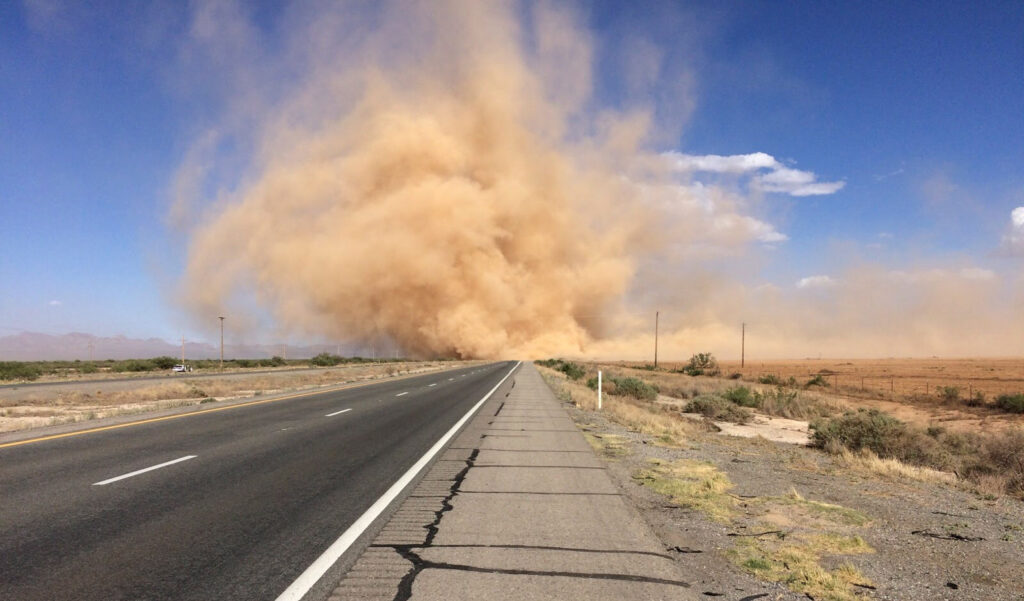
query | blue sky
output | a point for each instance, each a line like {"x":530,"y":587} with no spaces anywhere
{"x":918,"y":108}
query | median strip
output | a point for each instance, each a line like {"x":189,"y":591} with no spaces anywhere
{"x":143,"y":471}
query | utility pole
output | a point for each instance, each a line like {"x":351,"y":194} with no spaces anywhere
{"x":221,"y":318}
{"x":183,"y":349}
{"x":656,"y":314}
{"x":90,"y":351}
{"x":743,"y":346}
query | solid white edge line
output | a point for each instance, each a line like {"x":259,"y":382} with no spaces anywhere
{"x":144,"y":470}
{"x":338,"y":412}
{"x":402,"y":393}
{"x":319,"y":567}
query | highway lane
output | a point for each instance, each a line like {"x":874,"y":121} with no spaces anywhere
{"x":235,"y":504}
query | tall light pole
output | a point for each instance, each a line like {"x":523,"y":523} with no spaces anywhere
{"x":656,"y":313}
{"x":743,"y":346}
{"x":221,"y":318}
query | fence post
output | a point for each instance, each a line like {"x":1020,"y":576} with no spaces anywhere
{"x":598,"y":390}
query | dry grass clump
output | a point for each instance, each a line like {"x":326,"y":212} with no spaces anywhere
{"x":609,"y":446}
{"x":893,"y":469}
{"x":793,"y":556}
{"x":828,"y":512}
{"x":999,"y":462}
{"x":637,"y":416}
{"x":797,"y":564}
{"x":692,"y":484}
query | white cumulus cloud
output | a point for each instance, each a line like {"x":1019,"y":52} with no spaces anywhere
{"x":816,"y":281}
{"x":1013,"y":240}
{"x":54,"y":303}
{"x":767,"y":173}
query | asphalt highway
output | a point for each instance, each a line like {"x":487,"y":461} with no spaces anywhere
{"x":225,"y":505}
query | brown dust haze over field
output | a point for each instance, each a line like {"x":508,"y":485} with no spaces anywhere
{"x":441,"y":175}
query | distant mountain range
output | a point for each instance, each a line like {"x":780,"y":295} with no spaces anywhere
{"x":33,"y":346}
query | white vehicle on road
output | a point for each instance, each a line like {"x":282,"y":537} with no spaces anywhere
{"x":181,"y":368}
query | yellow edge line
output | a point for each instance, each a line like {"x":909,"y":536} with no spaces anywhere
{"x":191,"y":413}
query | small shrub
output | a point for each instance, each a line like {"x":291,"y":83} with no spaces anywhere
{"x":883,"y":435}
{"x":791,"y":404}
{"x":701,"y":364}
{"x":573,"y":370}
{"x":1013,"y":403}
{"x":818,"y":380}
{"x":636,"y":388}
{"x":770,"y":379}
{"x":164,"y":362}
{"x":136,"y":365}
{"x":17,"y":370}
{"x":950,"y":394}
{"x":741,"y":396}
{"x":735,"y":375}
{"x":1001,"y":455}
{"x":325,"y":360}
{"x":570,"y":369}
{"x":719,"y":409}
{"x":277,"y":361}
{"x":864,"y":429}
{"x":978,"y":400}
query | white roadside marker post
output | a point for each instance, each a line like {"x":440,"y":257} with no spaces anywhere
{"x":599,"y":390}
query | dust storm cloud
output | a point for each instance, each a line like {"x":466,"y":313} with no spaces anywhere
{"x":433,"y":191}
{"x":442,"y":176}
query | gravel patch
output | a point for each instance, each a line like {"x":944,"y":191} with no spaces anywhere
{"x":932,"y":541}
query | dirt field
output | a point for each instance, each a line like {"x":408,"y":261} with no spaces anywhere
{"x":904,"y":377}
{"x":909,"y":389}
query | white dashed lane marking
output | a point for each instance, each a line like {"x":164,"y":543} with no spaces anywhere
{"x":143,"y":471}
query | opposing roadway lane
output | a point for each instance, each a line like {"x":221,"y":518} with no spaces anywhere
{"x":225,"y":505}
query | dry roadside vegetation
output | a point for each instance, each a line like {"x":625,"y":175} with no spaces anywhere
{"x":34,"y":409}
{"x":828,"y":521}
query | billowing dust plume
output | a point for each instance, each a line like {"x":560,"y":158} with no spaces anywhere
{"x":442,"y":175}
{"x":431,"y":186}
